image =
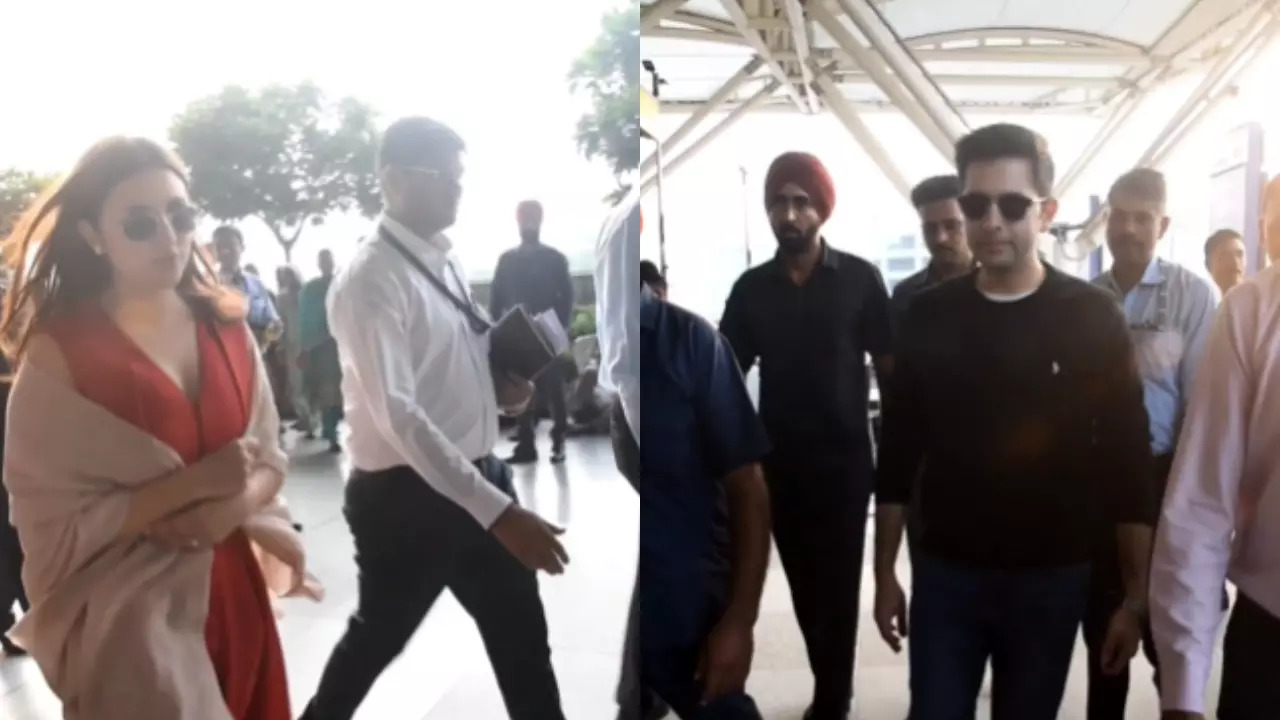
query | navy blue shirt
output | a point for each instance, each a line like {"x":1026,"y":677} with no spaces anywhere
{"x":697,"y":425}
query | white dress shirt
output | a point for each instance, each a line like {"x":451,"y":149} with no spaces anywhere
{"x":618,"y":305}
{"x":415,"y":376}
{"x":1220,"y":510}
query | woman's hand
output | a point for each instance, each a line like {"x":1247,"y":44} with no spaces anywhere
{"x":202,"y":525}
{"x":225,"y":473}
{"x":285,"y":546}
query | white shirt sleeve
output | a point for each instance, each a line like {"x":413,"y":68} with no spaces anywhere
{"x":367,"y":320}
{"x":617,"y":280}
{"x":1193,"y":540}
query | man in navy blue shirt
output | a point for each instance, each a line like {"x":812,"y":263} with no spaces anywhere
{"x":700,"y":473}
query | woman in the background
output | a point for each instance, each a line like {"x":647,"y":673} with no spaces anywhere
{"x":141,"y":455}
{"x":289,"y":283}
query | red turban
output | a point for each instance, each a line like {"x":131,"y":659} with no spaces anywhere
{"x":806,"y":171}
{"x":529,"y":212}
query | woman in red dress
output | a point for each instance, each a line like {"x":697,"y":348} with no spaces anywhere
{"x":109,"y":296}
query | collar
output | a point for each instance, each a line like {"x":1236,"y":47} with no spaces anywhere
{"x":439,"y":243}
{"x":1153,"y":276}
{"x":829,"y":258}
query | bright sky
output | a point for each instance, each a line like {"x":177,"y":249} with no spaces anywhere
{"x":494,"y":70}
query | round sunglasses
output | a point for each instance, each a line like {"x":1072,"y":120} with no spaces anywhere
{"x":1013,"y":207}
{"x":143,"y":225}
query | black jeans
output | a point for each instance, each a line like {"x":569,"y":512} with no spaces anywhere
{"x":1023,"y":621}
{"x":1250,"y":663}
{"x":411,"y":544}
{"x":819,"y":509}
{"x":549,"y":386}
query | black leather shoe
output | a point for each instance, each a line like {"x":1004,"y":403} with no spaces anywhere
{"x":557,"y":455}
{"x":523,"y":456}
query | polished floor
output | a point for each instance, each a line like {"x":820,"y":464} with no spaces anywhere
{"x":443,"y":674}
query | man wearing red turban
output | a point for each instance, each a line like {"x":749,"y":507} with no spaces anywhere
{"x":811,"y":316}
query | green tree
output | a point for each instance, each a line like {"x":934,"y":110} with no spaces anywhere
{"x":286,"y":155}
{"x":18,"y":189}
{"x":609,"y":72}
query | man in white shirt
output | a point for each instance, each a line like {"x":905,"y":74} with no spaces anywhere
{"x":429,"y":505}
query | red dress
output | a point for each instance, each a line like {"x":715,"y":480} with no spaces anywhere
{"x":110,"y":370}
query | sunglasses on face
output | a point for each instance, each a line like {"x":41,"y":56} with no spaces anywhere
{"x":1013,"y":207}
{"x":143,"y":225}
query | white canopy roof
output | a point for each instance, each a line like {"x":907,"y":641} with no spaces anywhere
{"x":998,"y":55}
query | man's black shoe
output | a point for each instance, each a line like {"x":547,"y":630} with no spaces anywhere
{"x":523,"y":456}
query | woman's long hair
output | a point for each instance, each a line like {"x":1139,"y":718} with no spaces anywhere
{"x":53,"y":271}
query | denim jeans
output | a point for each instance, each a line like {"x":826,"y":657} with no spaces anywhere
{"x":1024,"y":621}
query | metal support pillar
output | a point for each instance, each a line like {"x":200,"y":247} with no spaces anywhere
{"x":714,"y":132}
{"x":843,"y":110}
{"x":713,"y":103}
{"x":738,"y":16}
{"x":885,"y":41}
{"x":874,"y":66}
{"x":800,"y":41}
{"x":652,"y":15}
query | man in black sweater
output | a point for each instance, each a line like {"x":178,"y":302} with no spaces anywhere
{"x":10,"y":550}
{"x":536,"y":276}
{"x":1016,"y":397}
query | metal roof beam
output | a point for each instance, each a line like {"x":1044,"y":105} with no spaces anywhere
{"x":798,"y":26}
{"x":683,"y":107}
{"x":740,"y":20}
{"x":874,"y":66}
{"x":652,"y":15}
{"x":717,"y":99}
{"x":849,"y":117}
{"x":885,"y":41}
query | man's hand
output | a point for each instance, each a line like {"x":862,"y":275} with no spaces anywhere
{"x":726,"y":659}
{"x":1181,"y":715}
{"x":890,"y":611}
{"x":531,"y":540}
{"x":1124,"y":635}
{"x":513,"y":393}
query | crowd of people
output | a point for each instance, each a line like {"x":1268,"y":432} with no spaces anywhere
{"x":1062,"y":456}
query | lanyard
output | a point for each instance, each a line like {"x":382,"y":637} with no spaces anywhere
{"x":1162,"y":310}
{"x":479,"y":325}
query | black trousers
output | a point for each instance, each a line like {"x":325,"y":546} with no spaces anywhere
{"x":411,"y":544}
{"x":10,"y":568}
{"x":549,"y":386}
{"x":1250,"y":664}
{"x":819,"y":509}
{"x":1108,"y":694}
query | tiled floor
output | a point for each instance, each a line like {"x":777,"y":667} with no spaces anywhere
{"x":443,"y":675}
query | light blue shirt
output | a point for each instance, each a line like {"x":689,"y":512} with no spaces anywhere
{"x":1169,"y":313}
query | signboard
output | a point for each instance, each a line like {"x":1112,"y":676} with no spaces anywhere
{"x":1234,"y":197}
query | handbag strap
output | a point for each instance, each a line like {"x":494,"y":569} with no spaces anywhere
{"x":478,"y":323}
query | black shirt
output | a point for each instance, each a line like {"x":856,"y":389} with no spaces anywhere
{"x":907,"y":289}
{"x":812,"y":341}
{"x":1028,"y":420}
{"x":536,"y":277}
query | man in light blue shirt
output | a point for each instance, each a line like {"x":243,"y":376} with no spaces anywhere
{"x":1169,"y":310}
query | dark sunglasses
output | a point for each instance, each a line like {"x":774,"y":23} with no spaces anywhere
{"x":144,"y":226}
{"x":1013,"y":206}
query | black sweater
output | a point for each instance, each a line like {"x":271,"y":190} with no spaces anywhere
{"x":1025,"y":420}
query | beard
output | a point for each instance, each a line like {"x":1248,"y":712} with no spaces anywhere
{"x":794,"y":241}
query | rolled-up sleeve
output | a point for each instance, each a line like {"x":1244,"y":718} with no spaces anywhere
{"x":366,"y":319}
{"x":617,"y":279}
{"x":732,"y":430}
{"x":1193,"y":540}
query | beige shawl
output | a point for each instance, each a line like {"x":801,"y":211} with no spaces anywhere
{"x":117,"y":628}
